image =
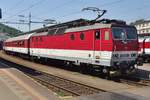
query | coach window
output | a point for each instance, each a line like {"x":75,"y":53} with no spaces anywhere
{"x":23,"y":43}
{"x":72,"y":37}
{"x":18,"y":43}
{"x":15,"y":44}
{"x":106,"y":36}
{"x":97,"y":34}
{"x":82,"y":36}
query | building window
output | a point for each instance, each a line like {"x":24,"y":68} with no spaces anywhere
{"x":143,"y":31}
{"x":82,"y":36}
{"x":139,"y":32}
{"x":139,"y":25}
{"x":147,"y":31}
{"x":97,"y":35}
{"x":143,"y":25}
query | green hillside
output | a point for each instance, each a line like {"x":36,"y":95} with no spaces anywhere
{"x":11,"y":31}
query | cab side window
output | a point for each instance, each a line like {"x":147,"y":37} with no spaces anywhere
{"x":106,"y":35}
{"x":97,"y":35}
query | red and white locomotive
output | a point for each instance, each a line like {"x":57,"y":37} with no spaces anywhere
{"x":110,"y":45}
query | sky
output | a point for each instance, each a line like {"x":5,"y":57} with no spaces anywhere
{"x":67,"y":10}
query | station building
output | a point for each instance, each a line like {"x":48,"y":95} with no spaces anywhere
{"x":143,"y":26}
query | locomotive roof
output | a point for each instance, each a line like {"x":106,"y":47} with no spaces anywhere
{"x":63,"y":30}
{"x":73,"y":23}
{"x":21,"y":37}
{"x":77,"y":25}
{"x":83,"y":28}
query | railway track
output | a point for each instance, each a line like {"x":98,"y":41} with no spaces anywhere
{"x":61,"y":86}
{"x":135,"y":81}
{"x":147,"y":82}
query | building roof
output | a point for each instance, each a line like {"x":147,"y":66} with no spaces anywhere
{"x":140,"y":22}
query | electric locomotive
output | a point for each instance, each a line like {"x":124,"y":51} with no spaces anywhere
{"x":108,"y":45}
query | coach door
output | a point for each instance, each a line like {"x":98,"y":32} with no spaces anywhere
{"x":97,"y":45}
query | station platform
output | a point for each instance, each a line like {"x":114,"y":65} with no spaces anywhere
{"x":111,"y":96}
{"x":14,"y":85}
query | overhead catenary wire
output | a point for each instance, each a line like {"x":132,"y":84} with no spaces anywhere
{"x":60,"y":6}
{"x":102,"y":5}
{"x":13,"y":7}
{"x":110,"y":3}
{"x":56,"y":7}
{"x":26,"y":9}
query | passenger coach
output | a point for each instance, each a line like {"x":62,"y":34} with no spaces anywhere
{"x":18,"y":45}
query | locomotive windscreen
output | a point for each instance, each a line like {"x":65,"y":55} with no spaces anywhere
{"x":121,"y":33}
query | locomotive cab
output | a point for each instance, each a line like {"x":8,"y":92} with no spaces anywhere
{"x":125,"y":47}
{"x":118,"y":47}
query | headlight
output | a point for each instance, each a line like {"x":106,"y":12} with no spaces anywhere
{"x":133,"y":55}
{"x":115,"y":55}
